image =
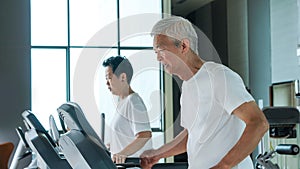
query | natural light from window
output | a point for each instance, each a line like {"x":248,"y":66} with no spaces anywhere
{"x":62,"y":29}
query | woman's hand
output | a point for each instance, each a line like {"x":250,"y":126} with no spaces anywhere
{"x":119,"y":158}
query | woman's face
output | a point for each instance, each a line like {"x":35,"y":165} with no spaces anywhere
{"x":112,"y":81}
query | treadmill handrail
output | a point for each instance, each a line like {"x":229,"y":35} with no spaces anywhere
{"x":34,"y":123}
{"x":73,"y":116}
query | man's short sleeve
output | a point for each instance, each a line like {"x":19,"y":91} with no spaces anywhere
{"x":230,"y":90}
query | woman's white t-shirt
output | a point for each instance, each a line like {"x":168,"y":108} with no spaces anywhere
{"x":207,"y":102}
{"x":131,"y":117}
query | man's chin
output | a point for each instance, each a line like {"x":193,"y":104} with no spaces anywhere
{"x":111,"y":92}
{"x":168,"y":70}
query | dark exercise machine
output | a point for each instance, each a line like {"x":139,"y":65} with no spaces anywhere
{"x":84,"y":149}
{"x":283,"y":121}
{"x":78,"y":147}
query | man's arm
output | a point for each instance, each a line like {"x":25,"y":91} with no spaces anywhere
{"x":176,"y":146}
{"x":256,"y":126}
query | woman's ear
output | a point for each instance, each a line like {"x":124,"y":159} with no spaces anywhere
{"x":123,"y":77}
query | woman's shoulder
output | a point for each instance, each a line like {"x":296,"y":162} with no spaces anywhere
{"x":134,"y":97}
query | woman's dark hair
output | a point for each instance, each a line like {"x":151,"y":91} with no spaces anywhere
{"x":119,"y":65}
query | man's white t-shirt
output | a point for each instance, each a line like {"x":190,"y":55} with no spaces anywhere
{"x":131,"y":117}
{"x":207,"y":102}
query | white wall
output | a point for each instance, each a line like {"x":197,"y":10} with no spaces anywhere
{"x":284,"y":61}
{"x":284,"y":30}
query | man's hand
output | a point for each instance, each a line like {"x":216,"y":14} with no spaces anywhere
{"x":149,"y":158}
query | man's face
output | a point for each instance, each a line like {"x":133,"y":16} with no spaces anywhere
{"x":167,"y":53}
{"x":112,"y":81}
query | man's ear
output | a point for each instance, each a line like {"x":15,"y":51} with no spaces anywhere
{"x":185,"y":45}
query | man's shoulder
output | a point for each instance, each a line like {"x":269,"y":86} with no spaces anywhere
{"x":216,"y":68}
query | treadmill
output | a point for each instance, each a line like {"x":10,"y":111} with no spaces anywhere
{"x":41,"y":143}
{"x":81,"y":145}
{"x":84,"y":149}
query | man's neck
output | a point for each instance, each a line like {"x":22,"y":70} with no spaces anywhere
{"x":193,"y":65}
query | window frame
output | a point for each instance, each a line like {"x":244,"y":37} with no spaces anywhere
{"x":68,"y":47}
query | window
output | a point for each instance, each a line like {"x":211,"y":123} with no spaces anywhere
{"x":49,"y":28}
{"x":72,"y":42}
{"x":48,"y":67}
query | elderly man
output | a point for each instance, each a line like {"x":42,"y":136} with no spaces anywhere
{"x":222,"y":123}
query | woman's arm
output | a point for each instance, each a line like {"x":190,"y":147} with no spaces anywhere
{"x":139,"y":141}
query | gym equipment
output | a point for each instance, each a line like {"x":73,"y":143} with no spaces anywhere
{"x":264,"y":160}
{"x":42,"y":144}
{"x":81,"y":145}
{"x":84,"y":149}
{"x":283,"y":121}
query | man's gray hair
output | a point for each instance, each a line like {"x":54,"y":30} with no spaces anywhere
{"x":178,"y":28}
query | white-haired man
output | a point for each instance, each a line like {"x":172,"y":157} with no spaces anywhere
{"x":222,"y":123}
